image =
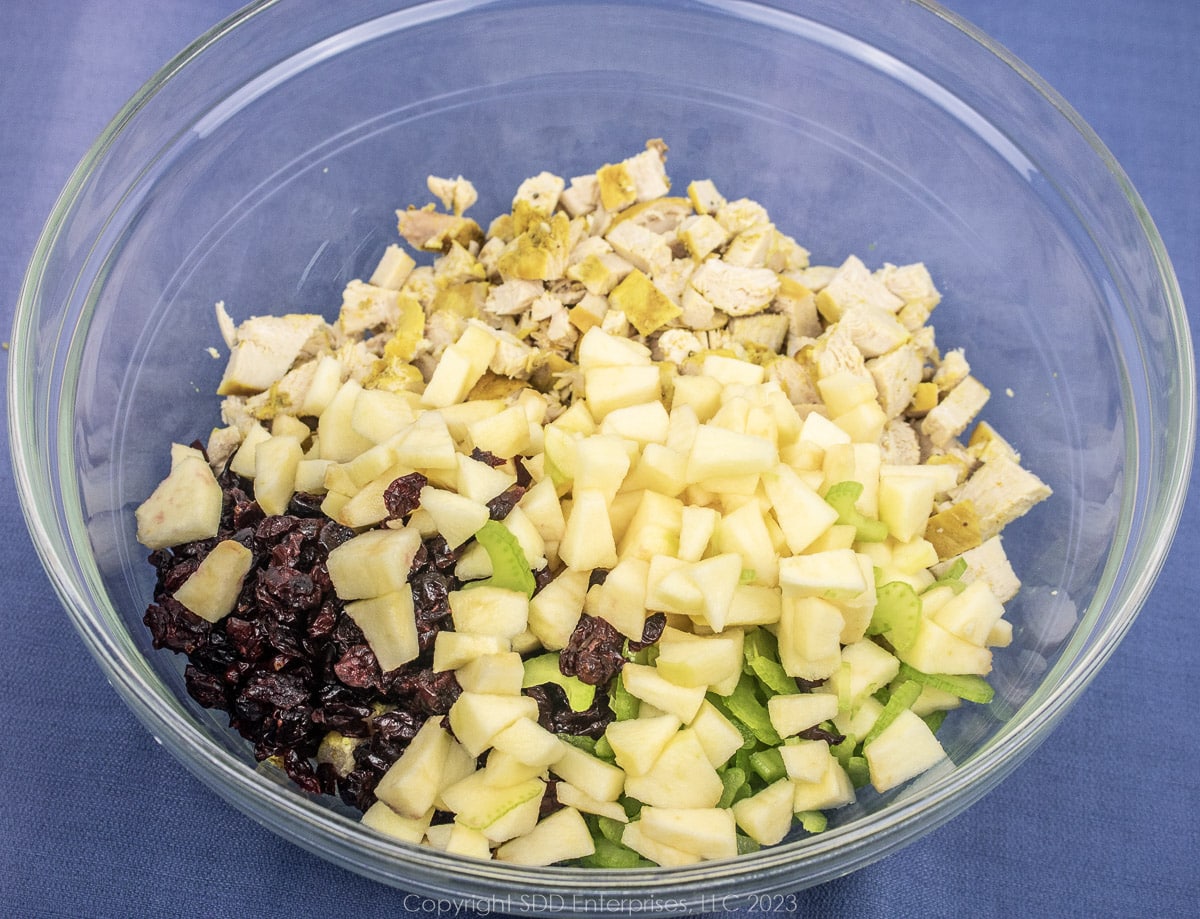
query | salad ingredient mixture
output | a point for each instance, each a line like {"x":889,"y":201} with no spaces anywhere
{"x":616,"y":535}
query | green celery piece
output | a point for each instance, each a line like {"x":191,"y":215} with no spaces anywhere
{"x":544,"y":669}
{"x":604,"y":750}
{"x":844,"y":751}
{"x":856,"y":767}
{"x":733,"y":786}
{"x":813,"y":821}
{"x":611,"y":854}
{"x":897,"y":614}
{"x":934,"y":719}
{"x":762,"y":661}
{"x":624,"y":704}
{"x":748,"y":575}
{"x":966,"y":686}
{"x":632,"y":806}
{"x":746,"y":845}
{"x":768,"y":764}
{"x":744,"y":706}
{"x":841,"y":497}
{"x":610,"y":829}
{"x":952,"y":578}
{"x":903,"y":696}
{"x":741,"y":762}
{"x":586,"y":744}
{"x":510,"y":567}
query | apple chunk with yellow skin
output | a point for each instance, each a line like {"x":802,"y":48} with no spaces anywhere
{"x":211,"y":591}
{"x":185,"y":506}
{"x":411,"y":782}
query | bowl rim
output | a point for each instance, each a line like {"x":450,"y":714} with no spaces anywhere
{"x":292,"y":816}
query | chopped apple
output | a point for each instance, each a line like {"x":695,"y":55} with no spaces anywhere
{"x":380,"y":414}
{"x":506,"y":434}
{"x":373,"y":563}
{"x":638,"y":742}
{"x":719,"y":737}
{"x":660,"y":853}
{"x":801,"y":513}
{"x":654,"y":528}
{"x":709,"y":832}
{"x":754,"y":604}
{"x":621,"y":599}
{"x":744,"y":532}
{"x":610,"y":388}
{"x":588,"y":541}
{"x":701,"y":661}
{"x":185,"y":506}
{"x":407,"y":829}
{"x":389,"y":625}
{"x":555,"y":609}
{"x":454,"y":650}
{"x":487,"y":610}
{"x":905,"y":504}
{"x":562,"y":835}
{"x":480,"y":481}
{"x":809,"y":633}
{"x":426,"y":444}
{"x":211,"y":591}
{"x":806,"y":760}
{"x":870,"y":667}
{"x":411,"y":783}
{"x":767,"y":816}
{"x":717,"y":453}
{"x":971,"y":614}
{"x":460,"y":367}
{"x":476,"y":718}
{"x":647,"y":684}
{"x":681,"y":776}
{"x":903,"y":749}
{"x":528,"y":742}
{"x":795,"y":712}
{"x":939,"y":651}
{"x":500,"y":672}
{"x":570,"y":796}
{"x":601,"y":462}
{"x":833,"y":790}
{"x":603,"y":781}
{"x":457,"y":518}
{"x":335,"y":426}
{"x":831,"y":575}
{"x":480,"y":805}
{"x":646,"y":423}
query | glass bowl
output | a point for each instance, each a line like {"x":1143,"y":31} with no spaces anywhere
{"x":263,"y":165}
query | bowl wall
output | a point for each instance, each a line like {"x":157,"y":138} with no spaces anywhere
{"x":885,"y":130}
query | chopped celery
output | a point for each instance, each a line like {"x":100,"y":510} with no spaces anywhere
{"x":604,"y":750}
{"x":768,"y":764}
{"x":746,"y":845}
{"x":813,"y":821}
{"x":841,"y":497}
{"x":934,"y":719}
{"x":903,"y":696}
{"x":762,"y":661}
{"x":845,"y":750}
{"x":897,"y":613}
{"x":748,"y":575}
{"x":733,"y":786}
{"x":610,"y":829}
{"x":964,"y":685}
{"x":510,"y":568}
{"x":586,"y":744}
{"x":544,"y":669}
{"x":953,"y":577}
{"x":632,"y":807}
{"x":856,"y":768}
{"x":743,"y":704}
{"x":624,"y":704}
{"x":611,"y":854}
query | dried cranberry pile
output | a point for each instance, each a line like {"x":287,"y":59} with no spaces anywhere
{"x":289,"y":665}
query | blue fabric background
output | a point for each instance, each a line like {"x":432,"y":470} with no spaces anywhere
{"x":98,"y":820}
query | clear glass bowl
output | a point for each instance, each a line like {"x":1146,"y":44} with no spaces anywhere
{"x":262,"y":167}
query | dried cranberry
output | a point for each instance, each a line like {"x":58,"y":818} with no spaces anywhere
{"x":403,"y":496}
{"x":486,"y":456}
{"x":501,"y":505}
{"x":594,"y":652}
{"x":358,"y":667}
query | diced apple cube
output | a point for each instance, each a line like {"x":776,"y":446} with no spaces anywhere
{"x":831,"y":575}
{"x":373,"y":563}
{"x":702,"y":393}
{"x":456,"y":518}
{"x":658,"y":852}
{"x":460,"y":367}
{"x":802,"y":514}
{"x":411,"y":783}
{"x":870,"y":667}
{"x":426,"y":444}
{"x":701,"y":661}
{"x":570,"y":796}
{"x":602,"y":780}
{"x":638,"y":742}
{"x":646,"y":423}
{"x":731,"y":370}
{"x":453,"y":650}
{"x":767,"y":816}
{"x":476,"y":718}
{"x":463,"y":840}
{"x":555,"y":609}
{"x":718,"y":452}
{"x":795,"y":712}
{"x":719,"y":737}
{"x":809,"y":637}
{"x":389,"y":625}
{"x":834,"y":790}
{"x":505,"y":434}
{"x":480,"y":481}
{"x":562,"y":835}
{"x":819,"y":431}
{"x":647,"y":684}
{"x":530,"y":743}
{"x":499,"y":673}
{"x":480,"y":805}
{"x":905,"y":504}
{"x":487,"y":610}
{"x":806,"y":761}
{"x":597,"y":348}
{"x":588,"y":541}
{"x":939,"y":651}
{"x":902,"y":750}
{"x":696,"y":527}
{"x":324,"y":385}
{"x":621,"y":599}
{"x":211,"y":591}
{"x":335,"y":427}
{"x":185,"y":506}
{"x":407,"y":829}
{"x":601,"y":463}
{"x":754,"y":604}
{"x":610,"y":388}
{"x":682,"y":776}
{"x":709,"y":832}
{"x":972,"y":614}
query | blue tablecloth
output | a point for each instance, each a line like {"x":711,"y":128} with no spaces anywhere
{"x":100,"y":821}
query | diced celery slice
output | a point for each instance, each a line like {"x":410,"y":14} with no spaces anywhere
{"x":745,"y":707}
{"x":813,"y":821}
{"x":544,"y":669}
{"x":510,"y":567}
{"x":841,"y":497}
{"x":733,"y":786}
{"x":762,"y":660}
{"x":610,"y":829}
{"x":746,"y":845}
{"x":897,"y":614}
{"x":903,"y":696}
{"x":624,"y":704}
{"x":604,"y":750}
{"x":611,"y":854}
{"x":586,"y":744}
{"x":966,"y":686}
{"x":768,"y":764}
